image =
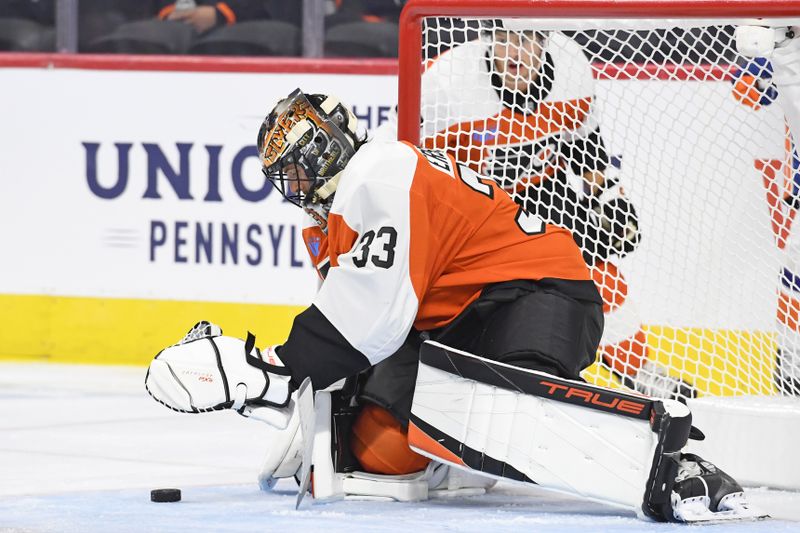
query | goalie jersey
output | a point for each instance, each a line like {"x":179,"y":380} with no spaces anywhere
{"x":412,"y":240}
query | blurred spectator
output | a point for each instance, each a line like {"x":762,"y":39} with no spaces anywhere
{"x":173,"y":27}
{"x":204,"y":15}
{"x":346,"y":11}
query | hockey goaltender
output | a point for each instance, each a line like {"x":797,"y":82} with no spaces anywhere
{"x":444,"y":347}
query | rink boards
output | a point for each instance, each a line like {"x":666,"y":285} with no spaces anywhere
{"x":132,"y":331}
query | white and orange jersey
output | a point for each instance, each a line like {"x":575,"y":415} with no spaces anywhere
{"x":463,"y":111}
{"x":412,"y":239}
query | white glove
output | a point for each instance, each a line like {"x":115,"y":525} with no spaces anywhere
{"x":207,"y":372}
{"x":760,"y":41}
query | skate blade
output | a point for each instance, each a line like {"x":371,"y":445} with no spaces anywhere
{"x":725,"y":516}
{"x":733,"y":507}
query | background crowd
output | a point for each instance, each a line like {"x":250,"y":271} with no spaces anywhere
{"x":328,"y":28}
{"x":350,"y":28}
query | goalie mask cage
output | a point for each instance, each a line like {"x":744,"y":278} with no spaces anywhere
{"x":710,"y":294}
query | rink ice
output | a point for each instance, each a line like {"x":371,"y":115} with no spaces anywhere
{"x":81,"y":447}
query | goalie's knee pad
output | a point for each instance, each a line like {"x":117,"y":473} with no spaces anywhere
{"x":336,"y":476}
{"x":380,"y":444}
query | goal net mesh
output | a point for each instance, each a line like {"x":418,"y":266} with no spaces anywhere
{"x":666,"y":152}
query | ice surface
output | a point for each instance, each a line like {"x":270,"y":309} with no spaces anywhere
{"x":81,"y":447}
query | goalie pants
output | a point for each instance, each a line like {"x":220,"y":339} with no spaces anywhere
{"x":549,"y":325}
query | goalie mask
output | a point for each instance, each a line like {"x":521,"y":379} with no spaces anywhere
{"x":304,"y":143}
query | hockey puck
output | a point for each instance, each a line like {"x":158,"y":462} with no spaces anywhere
{"x":165,"y":495}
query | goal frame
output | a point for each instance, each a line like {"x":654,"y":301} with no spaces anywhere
{"x":763,"y":428}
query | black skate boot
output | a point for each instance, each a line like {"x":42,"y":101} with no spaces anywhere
{"x":702,"y":493}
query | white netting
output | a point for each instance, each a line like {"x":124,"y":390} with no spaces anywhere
{"x":671,"y":167}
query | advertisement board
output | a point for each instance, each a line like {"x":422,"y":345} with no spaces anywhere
{"x":132,"y":204}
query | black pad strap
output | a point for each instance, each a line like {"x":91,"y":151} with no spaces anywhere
{"x":221,"y":369}
{"x":254,"y":361}
{"x":673,"y":434}
{"x":316,"y":349}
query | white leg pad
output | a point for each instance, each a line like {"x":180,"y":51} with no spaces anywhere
{"x":570,"y":448}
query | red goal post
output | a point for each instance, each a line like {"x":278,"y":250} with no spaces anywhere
{"x":721,"y":334}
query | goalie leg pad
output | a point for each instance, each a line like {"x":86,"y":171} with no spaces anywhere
{"x":496,"y":426}
{"x":330,"y":483}
{"x":565,"y":435}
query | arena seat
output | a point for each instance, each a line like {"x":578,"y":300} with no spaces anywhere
{"x":21,"y":35}
{"x":95,"y":22}
{"x":251,"y":38}
{"x":362,"y":39}
{"x":291,"y":12}
{"x":150,"y":36}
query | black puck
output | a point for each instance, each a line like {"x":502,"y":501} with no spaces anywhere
{"x":165,"y":495}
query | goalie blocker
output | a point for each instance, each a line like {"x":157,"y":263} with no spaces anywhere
{"x":531,"y":427}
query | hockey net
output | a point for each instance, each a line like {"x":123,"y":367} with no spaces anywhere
{"x":707,"y":303}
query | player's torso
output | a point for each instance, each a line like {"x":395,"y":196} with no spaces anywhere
{"x":464,"y":232}
{"x":517,"y":142}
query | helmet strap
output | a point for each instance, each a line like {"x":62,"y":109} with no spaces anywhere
{"x":327,"y":189}
{"x":319,"y":212}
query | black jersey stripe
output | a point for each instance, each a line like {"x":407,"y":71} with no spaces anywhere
{"x":316,"y":349}
{"x":472,"y":458}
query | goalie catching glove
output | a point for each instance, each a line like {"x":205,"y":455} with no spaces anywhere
{"x":761,"y":41}
{"x":612,"y":226}
{"x":207,"y":371}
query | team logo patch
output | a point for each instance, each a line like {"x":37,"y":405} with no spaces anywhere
{"x":313,"y":245}
{"x":485,"y":135}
